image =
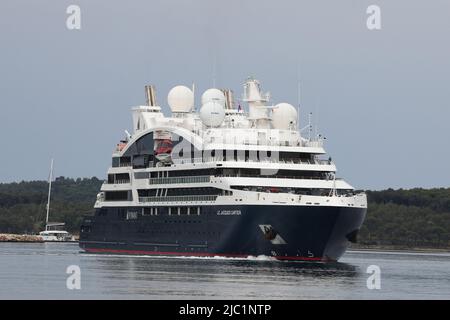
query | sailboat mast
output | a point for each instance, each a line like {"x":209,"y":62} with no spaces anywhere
{"x":49,"y":191}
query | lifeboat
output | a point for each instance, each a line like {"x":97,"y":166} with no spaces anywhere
{"x":121,"y":145}
{"x":163,"y":150}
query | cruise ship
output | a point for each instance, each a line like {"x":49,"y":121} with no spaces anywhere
{"x":223,"y":178}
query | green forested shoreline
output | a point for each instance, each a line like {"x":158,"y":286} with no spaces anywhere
{"x":407,"y":218}
{"x":23,"y":204}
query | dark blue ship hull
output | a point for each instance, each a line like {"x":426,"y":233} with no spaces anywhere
{"x":313,"y":233}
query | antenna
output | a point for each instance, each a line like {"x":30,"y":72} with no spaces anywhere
{"x":193,"y":93}
{"x":214,"y":71}
{"x":49,"y":191}
{"x":316,"y":109}
{"x":298,"y":95}
{"x":298,"y":105}
{"x":310,"y":125}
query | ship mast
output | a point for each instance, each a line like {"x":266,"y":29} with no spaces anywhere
{"x":49,"y":191}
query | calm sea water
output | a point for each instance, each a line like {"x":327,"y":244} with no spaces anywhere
{"x":38,"y":271}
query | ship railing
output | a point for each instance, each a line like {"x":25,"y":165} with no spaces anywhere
{"x":317,"y":142}
{"x":177,"y":180}
{"x":275,"y":176}
{"x":287,"y":161}
{"x":268,"y":141}
{"x":118,"y":181}
{"x":187,"y":161}
{"x":179,"y":198}
{"x":122,"y":181}
{"x":125,"y":164}
{"x":268,"y":160}
{"x":313,"y":143}
{"x":325,"y":162}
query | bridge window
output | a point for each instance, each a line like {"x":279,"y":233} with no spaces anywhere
{"x":118,"y":196}
{"x":121,"y":162}
{"x":118,"y":178}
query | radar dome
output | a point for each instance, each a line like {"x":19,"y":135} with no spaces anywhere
{"x":213,"y":95}
{"x":180,"y":99}
{"x":284,"y":116}
{"x":212,"y":114}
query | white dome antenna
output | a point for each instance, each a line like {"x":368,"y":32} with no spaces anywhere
{"x":212,"y":114}
{"x":284,"y":116}
{"x":213,"y":94}
{"x":180,"y":99}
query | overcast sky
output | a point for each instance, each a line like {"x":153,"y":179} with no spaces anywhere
{"x":381,"y":97}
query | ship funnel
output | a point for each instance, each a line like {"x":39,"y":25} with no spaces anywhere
{"x":150,"y":95}
{"x":229,"y":99}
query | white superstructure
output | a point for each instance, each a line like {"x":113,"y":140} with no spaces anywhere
{"x":236,"y":157}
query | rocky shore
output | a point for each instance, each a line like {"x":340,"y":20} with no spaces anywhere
{"x":8,"y":237}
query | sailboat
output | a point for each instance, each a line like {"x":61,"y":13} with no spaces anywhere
{"x":53,"y":230}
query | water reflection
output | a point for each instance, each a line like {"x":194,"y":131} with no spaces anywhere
{"x":194,"y":266}
{"x":191,"y":277}
{"x":39,"y":271}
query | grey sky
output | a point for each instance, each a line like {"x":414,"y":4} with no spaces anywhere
{"x":380,"y":97}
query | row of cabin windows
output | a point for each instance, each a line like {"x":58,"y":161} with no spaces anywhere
{"x":176,"y":211}
{"x":175,"y":173}
{"x":127,"y":195}
{"x":299,"y":191}
{"x":193,"y":191}
{"x":258,"y":173}
{"x":179,"y":192}
{"x":237,"y":172}
{"x":246,"y":155}
{"x":132,"y":214}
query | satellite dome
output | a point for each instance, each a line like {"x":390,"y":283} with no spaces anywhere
{"x":284,"y":116}
{"x":212,"y":114}
{"x":180,"y":99}
{"x":213,"y":95}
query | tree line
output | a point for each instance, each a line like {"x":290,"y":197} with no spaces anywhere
{"x":412,"y":218}
{"x":23,"y":204}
